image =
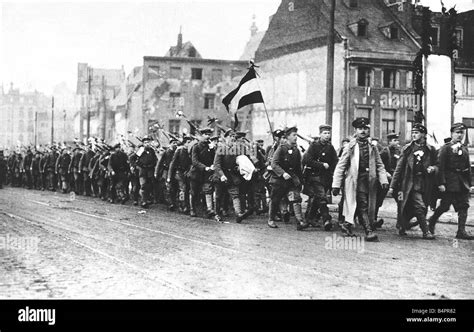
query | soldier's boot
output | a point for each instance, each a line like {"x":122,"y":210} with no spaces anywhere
{"x":264,"y":204}
{"x":346,"y":228}
{"x":378,"y":222}
{"x":272,"y":215}
{"x":433,"y":220}
{"x":239,"y":216}
{"x":462,"y":234}
{"x":300,"y":222}
{"x":327,"y":219}
{"x":210,"y":206}
{"x":424,"y":228}
{"x":192,"y":206}
{"x":285,"y":214}
{"x":370,"y":235}
{"x":310,"y":213}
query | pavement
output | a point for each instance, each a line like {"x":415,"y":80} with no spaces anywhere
{"x":54,"y":245}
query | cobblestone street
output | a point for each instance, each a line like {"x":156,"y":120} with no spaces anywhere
{"x":87,"y":248}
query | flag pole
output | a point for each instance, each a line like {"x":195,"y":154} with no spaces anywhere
{"x":252,"y":65}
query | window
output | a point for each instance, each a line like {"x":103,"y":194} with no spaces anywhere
{"x":469,"y":122}
{"x":459,"y":37}
{"x":236,"y":73}
{"x":391,"y":79}
{"x":196,"y":73}
{"x":409,"y":80}
{"x":388,"y":122}
{"x":209,"y":99}
{"x":153,"y":72}
{"x":434,"y":36}
{"x":174,"y":126}
{"x":192,"y":52}
{"x":175,"y":72}
{"x":216,"y":76}
{"x":175,"y":100}
{"x":362,"y":28}
{"x":353,"y":4}
{"x":409,"y":124}
{"x":197,"y":124}
{"x":467,"y":85}
{"x":363,"y":112}
{"x":364,"y":76}
{"x":393,"y":32}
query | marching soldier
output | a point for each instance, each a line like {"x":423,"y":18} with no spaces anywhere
{"x":134,"y":177}
{"x":28,"y":181}
{"x":287,"y":178}
{"x":278,"y":138}
{"x":84,"y":170}
{"x":49,"y":168}
{"x":258,"y":182}
{"x":226,"y":169}
{"x":75,"y":170}
{"x":118,"y":168}
{"x":413,"y":181}
{"x":318,"y":164}
{"x":360,"y":168}
{"x":179,"y":170}
{"x":3,"y":169}
{"x":390,"y":156}
{"x":201,"y":173}
{"x":42,"y":170}
{"x":146,"y":164}
{"x":163,"y":170}
{"x":454,"y":180}
{"x":62,"y":169}
{"x":35,"y":170}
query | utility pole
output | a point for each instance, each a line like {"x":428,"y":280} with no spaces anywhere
{"x":52,"y":120}
{"x":330,"y":65}
{"x":89,"y":82}
{"x":64,"y":126}
{"x":36,"y":128}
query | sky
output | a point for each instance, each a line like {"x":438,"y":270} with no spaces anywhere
{"x":41,"y":43}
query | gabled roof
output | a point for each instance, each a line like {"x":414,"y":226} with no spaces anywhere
{"x":306,"y":27}
{"x":252,"y":46}
{"x":186,"y":51}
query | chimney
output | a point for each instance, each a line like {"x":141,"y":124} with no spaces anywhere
{"x":180,"y":40}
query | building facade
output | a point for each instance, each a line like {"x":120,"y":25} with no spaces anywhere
{"x":25,"y":118}
{"x":373,"y":76}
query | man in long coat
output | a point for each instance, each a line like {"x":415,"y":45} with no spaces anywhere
{"x":361,"y":169}
{"x":413,"y":181}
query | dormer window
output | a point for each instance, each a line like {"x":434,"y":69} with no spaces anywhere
{"x":391,"y":31}
{"x":362,"y":28}
{"x":359,"y":28}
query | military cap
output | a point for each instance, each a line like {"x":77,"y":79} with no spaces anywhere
{"x":346,"y":140}
{"x":393,"y":136}
{"x":214,"y":138}
{"x":260,"y":141}
{"x":229,"y":132}
{"x":419,"y":127}
{"x":206,"y":130}
{"x":289,"y":130}
{"x":146,"y":138}
{"x":172,"y":140}
{"x":375,"y":139}
{"x":324,"y":127}
{"x":116,"y":146}
{"x":458,"y":126}
{"x":361,"y":123}
{"x":187,"y":138}
{"x":240,"y":134}
{"x":447,"y":140}
{"x":278,"y":133}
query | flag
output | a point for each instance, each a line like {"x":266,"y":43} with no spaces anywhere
{"x":245,"y":94}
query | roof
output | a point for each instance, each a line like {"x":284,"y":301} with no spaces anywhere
{"x":306,"y":27}
{"x":186,"y":51}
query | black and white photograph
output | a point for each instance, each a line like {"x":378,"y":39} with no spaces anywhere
{"x":237,"y":150}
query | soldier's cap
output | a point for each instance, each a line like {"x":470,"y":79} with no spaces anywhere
{"x":290,"y":130}
{"x":187,"y":139}
{"x":419,"y":127}
{"x":116,"y":146}
{"x":146,"y":138}
{"x":374,"y":139}
{"x":346,"y":140}
{"x":278,"y":133}
{"x":260,"y":141}
{"x":458,"y":126}
{"x":361,"y":123}
{"x":240,"y":134}
{"x":206,"y":130}
{"x":214,"y":138}
{"x":393,"y":136}
{"x":229,"y":132}
{"x":77,"y":148}
{"x":172,"y":140}
{"x":447,"y":140}
{"x":324,"y":127}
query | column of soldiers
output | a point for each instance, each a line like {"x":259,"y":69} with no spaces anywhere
{"x":211,"y":175}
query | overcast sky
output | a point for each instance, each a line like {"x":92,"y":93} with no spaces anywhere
{"x":41,"y":43}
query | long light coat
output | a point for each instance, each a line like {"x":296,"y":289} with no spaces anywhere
{"x":347,"y":171}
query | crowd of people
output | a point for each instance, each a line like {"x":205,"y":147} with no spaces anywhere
{"x":215,"y":176}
